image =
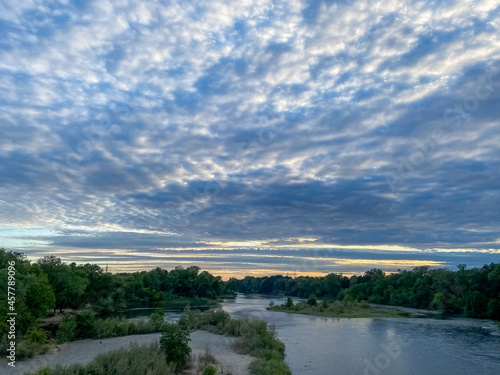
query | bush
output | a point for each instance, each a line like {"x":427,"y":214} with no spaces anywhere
{"x":234,"y":327}
{"x":312,"y":301}
{"x":269,"y":367}
{"x":37,"y":335}
{"x":67,"y":328}
{"x":190,"y":319}
{"x":259,"y":341}
{"x":289,"y":302}
{"x":216,"y":317}
{"x":209,"y":370}
{"x":157,"y":318}
{"x":111,"y":327}
{"x":174,"y":343}
{"x":85,"y":320}
{"x":364,"y":305}
{"x":28,"y":349}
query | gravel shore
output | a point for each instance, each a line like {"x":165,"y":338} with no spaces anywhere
{"x":84,"y":351}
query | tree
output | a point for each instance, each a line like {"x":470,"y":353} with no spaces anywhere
{"x":40,"y":296}
{"x":34,"y":295}
{"x":174,"y":343}
{"x":494,"y":309}
{"x":312,"y":301}
{"x":69,"y":282}
{"x":478,"y":305}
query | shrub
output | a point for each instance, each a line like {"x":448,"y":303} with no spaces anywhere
{"x":312,"y":301}
{"x":348,"y":298}
{"x":67,"y":328}
{"x":269,"y":367}
{"x":85,"y":320}
{"x":233,"y":327}
{"x":111,"y":327}
{"x":289,"y":302}
{"x":190,"y":319}
{"x":37,"y":335}
{"x":174,"y":343}
{"x":216,"y":317}
{"x":28,"y":349}
{"x":364,"y":305}
{"x":209,"y":370}
{"x":157,"y":318}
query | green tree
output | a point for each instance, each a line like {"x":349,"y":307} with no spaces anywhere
{"x":312,"y":301}
{"x":34,"y":295}
{"x":174,"y":343}
{"x":69,"y":282}
{"x":478,"y":305}
{"x":494,"y":309}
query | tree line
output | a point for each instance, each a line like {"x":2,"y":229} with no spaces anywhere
{"x":50,"y":284}
{"x":474,"y":292}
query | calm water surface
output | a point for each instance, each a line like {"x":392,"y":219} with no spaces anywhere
{"x":329,"y":346}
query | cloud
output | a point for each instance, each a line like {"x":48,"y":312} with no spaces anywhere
{"x":143,"y":125}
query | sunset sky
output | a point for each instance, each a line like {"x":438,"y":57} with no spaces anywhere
{"x":251,"y":137}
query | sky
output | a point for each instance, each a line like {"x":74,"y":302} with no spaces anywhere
{"x":251,"y":137}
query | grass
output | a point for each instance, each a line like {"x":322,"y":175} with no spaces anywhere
{"x":138,"y":359}
{"x":341,"y":309}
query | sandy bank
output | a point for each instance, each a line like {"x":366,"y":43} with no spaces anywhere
{"x":84,"y":351}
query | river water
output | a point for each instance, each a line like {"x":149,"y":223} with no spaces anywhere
{"x":391,"y":346}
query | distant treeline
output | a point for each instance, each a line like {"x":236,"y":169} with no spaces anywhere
{"x":475,"y":291}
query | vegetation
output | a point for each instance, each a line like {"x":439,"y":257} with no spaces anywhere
{"x":172,"y":352}
{"x":145,"y":359}
{"x":50,"y":284}
{"x":174,"y":343}
{"x":340,"y":309}
{"x":474,"y":292}
{"x":84,"y":324}
{"x":254,"y":337}
{"x":209,"y":370}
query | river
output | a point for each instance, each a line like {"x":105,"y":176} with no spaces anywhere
{"x":390,"y":346}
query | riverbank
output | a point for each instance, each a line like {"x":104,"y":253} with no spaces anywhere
{"x":85,"y":351}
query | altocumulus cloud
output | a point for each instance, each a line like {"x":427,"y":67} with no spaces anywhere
{"x":259,"y":136}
